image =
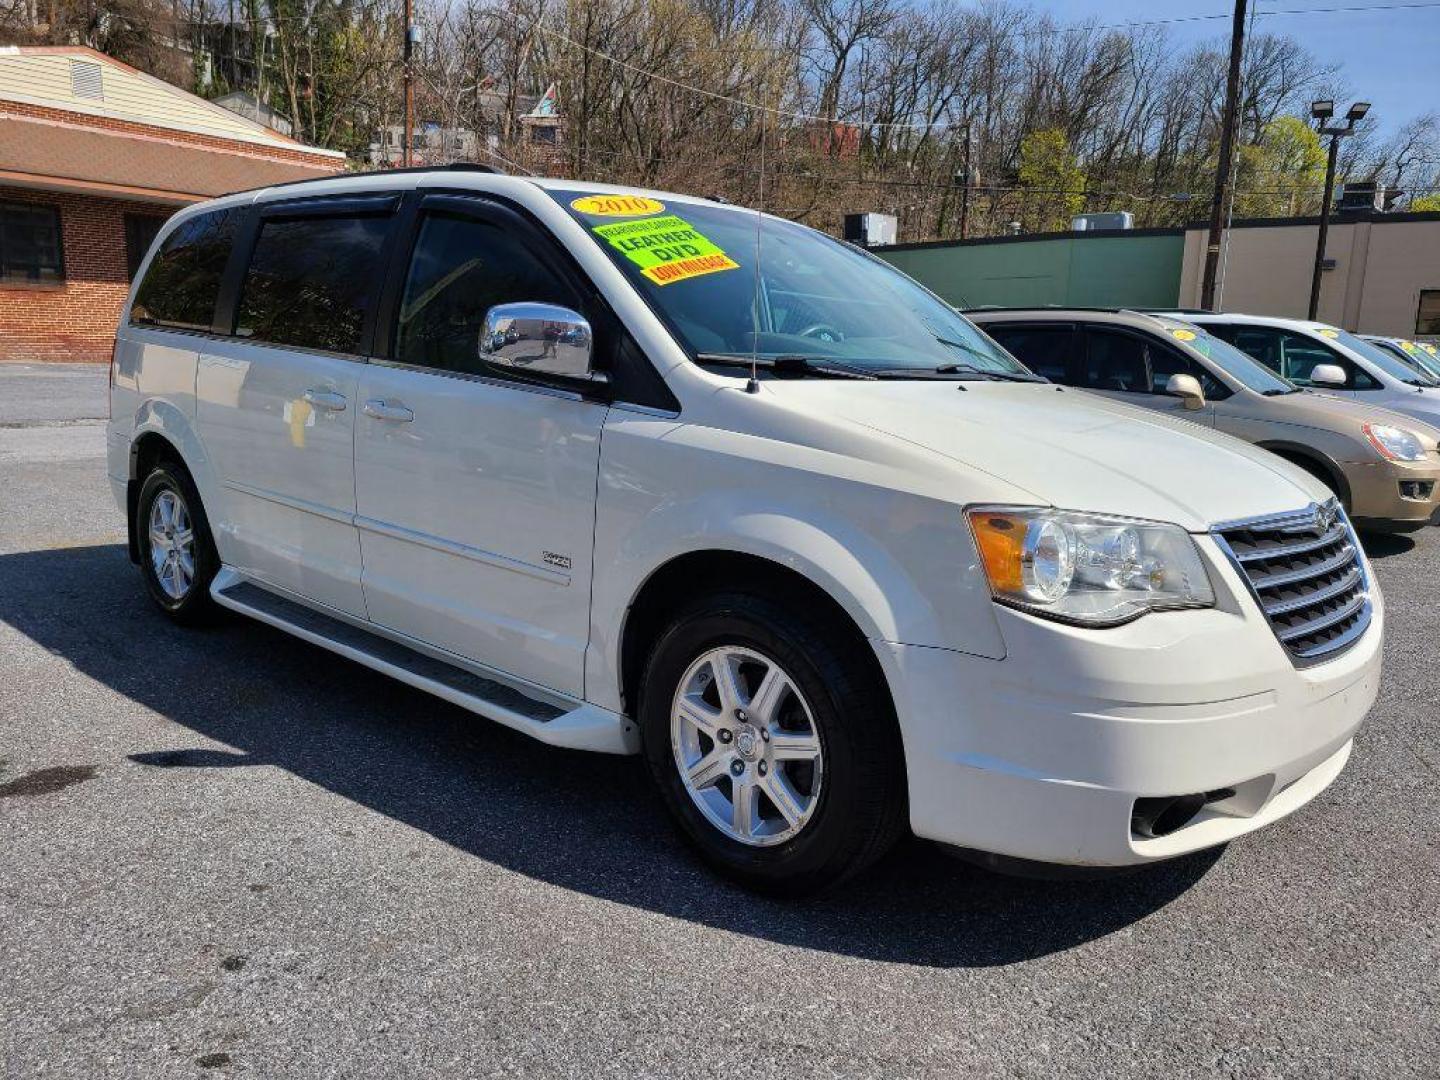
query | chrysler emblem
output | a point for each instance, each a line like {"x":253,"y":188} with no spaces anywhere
{"x":1324,"y":518}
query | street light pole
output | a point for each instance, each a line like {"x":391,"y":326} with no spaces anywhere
{"x":1322,"y":111}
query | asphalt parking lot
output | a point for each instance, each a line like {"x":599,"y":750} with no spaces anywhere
{"x":226,"y":851}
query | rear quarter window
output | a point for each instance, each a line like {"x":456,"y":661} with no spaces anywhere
{"x":182,"y":284}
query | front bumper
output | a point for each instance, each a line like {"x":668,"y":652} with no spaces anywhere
{"x":1042,"y":755}
{"x":1390,"y":493}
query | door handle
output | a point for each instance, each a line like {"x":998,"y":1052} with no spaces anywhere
{"x":326,"y":399}
{"x":381,"y":411}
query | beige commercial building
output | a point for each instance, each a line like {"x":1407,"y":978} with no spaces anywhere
{"x":1385,"y":278}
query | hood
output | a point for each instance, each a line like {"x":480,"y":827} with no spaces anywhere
{"x":1420,"y":404}
{"x":1345,"y":415}
{"x":1073,"y":450}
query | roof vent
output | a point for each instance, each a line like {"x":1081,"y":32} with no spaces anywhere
{"x":85,"y":80}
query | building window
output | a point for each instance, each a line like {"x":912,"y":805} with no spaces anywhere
{"x":1427,"y":318}
{"x":30,"y":251}
{"x":140,"y":230}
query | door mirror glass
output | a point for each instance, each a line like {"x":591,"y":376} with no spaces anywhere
{"x":1327,"y":375}
{"x":1187,"y":389}
{"x":542,"y":339}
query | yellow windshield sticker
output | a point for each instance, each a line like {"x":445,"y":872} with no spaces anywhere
{"x":1327,"y":332}
{"x":1183,"y":335}
{"x":666,"y":249}
{"x":1409,"y":346}
{"x":617,"y":206}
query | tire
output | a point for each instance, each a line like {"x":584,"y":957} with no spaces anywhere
{"x":183,"y":596}
{"x":826,"y":745}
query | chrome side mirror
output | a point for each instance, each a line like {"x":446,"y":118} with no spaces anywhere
{"x":1328,"y":375}
{"x":1187,"y":389}
{"x":542,"y":339}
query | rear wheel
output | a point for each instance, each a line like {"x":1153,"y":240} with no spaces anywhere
{"x":773,"y":743}
{"x":177,"y":555}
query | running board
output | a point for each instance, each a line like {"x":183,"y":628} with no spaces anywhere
{"x":579,"y":727}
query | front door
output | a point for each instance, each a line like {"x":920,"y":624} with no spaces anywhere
{"x":1129,"y":367}
{"x":277,"y":404}
{"x":475,"y":492}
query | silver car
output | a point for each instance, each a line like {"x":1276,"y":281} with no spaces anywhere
{"x":1330,"y":360}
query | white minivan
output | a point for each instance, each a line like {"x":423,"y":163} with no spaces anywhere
{"x":644,"y":473}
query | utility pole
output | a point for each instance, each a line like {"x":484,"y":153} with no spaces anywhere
{"x":965,"y":191}
{"x":1227,"y":148}
{"x":408,"y":138}
{"x":1322,"y":111}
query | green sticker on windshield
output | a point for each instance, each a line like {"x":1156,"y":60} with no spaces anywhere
{"x":666,"y":249}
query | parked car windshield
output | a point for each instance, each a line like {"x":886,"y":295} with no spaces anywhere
{"x":820,"y":301}
{"x":1240,"y":366}
{"x":1391,"y":365}
{"x":1411,"y":354}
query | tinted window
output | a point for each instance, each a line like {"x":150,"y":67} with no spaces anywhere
{"x":460,"y":269}
{"x":30,"y":244}
{"x":140,"y":232}
{"x":183,"y":282}
{"x":1113,"y":361}
{"x":1165,"y":362}
{"x":1045,"y":350}
{"x":312,"y":281}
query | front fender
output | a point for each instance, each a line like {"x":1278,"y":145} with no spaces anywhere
{"x":902,"y":566}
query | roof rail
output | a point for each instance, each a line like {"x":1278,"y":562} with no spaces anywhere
{"x":454,"y":166}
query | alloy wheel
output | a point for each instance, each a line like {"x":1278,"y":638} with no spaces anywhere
{"x":172,"y":544}
{"x":746,"y":746}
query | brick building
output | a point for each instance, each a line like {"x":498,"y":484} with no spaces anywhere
{"x":94,"y":156}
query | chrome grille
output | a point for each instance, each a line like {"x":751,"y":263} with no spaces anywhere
{"x":1304,"y":571}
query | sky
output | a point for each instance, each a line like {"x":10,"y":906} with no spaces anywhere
{"x":1389,"y":58}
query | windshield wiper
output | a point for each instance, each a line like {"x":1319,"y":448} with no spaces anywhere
{"x":788,"y":364}
{"x":1277,"y":392}
{"x":984,"y":373}
{"x":955,"y":369}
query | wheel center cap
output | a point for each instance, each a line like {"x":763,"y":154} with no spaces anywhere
{"x":747,"y":742}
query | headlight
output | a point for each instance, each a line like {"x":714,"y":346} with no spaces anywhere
{"x":1394,"y":443}
{"x":1085,"y":568}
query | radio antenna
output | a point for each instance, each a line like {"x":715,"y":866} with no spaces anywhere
{"x":753,"y":386}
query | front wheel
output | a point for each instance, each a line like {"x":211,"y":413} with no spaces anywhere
{"x":773,"y":743}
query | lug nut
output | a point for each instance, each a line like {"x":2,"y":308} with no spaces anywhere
{"x":725,"y":735}
{"x":740,"y":715}
{"x":763,"y":768}
{"x":737,"y":768}
{"x":764,"y":735}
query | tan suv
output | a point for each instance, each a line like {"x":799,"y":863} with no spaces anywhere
{"x":1383,"y":465}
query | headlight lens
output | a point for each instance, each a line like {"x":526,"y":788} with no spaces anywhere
{"x":1394,"y":443}
{"x":1085,"y":568}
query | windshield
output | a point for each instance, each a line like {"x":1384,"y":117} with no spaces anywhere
{"x":1390,"y":365}
{"x":1240,"y":366}
{"x":814,"y":298}
{"x":1420,"y":358}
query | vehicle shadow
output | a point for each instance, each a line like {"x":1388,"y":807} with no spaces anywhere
{"x":1380,"y":545}
{"x":586,"y":822}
